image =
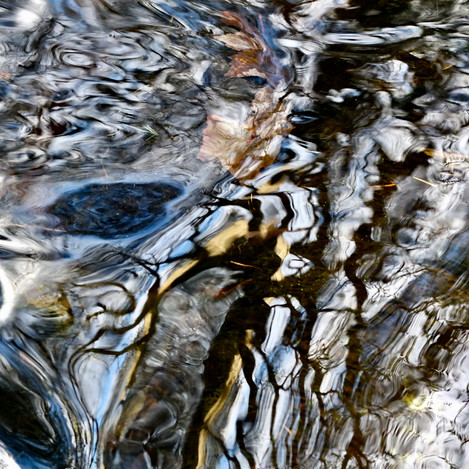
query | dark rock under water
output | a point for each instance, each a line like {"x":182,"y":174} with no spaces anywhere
{"x":113,"y":210}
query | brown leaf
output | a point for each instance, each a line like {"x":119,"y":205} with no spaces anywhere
{"x":238,"y":21}
{"x":265,"y":101}
{"x":255,"y":58}
{"x":246,"y":64}
{"x":244,"y":148}
{"x":224,"y":139}
{"x":239,"y":41}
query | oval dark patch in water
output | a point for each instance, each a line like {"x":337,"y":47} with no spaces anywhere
{"x":113,"y":210}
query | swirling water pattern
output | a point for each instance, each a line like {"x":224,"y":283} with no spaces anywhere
{"x":189,"y":281}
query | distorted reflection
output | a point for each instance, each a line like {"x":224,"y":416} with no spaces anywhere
{"x":234,"y":235}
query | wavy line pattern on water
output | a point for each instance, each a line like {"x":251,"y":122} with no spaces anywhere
{"x":233,"y":238}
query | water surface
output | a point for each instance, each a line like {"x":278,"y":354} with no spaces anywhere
{"x":234,"y":235}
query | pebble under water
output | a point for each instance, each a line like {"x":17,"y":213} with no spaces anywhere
{"x":233,"y":234}
{"x":112,"y":210}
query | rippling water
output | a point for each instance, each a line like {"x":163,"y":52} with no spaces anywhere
{"x":234,"y":234}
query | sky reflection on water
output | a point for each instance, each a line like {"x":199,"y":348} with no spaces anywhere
{"x":234,"y":238}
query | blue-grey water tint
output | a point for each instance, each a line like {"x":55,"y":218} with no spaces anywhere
{"x":234,"y":234}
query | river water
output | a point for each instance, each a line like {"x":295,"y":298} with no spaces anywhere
{"x":233,"y":234}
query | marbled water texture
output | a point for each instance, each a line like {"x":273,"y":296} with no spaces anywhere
{"x":234,"y":234}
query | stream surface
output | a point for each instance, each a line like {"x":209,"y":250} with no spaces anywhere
{"x":234,"y":234}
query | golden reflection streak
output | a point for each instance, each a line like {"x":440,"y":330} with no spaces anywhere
{"x":423,"y":180}
{"x":459,"y":157}
{"x":216,"y":246}
{"x":217,"y":408}
{"x":282,"y":249}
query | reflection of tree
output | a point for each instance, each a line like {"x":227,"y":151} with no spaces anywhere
{"x":349,"y":402}
{"x":340,"y":376}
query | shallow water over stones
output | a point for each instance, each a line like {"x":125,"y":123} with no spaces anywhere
{"x":234,"y":235}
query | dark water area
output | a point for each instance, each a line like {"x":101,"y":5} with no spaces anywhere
{"x":233,"y":234}
{"x":113,"y":210}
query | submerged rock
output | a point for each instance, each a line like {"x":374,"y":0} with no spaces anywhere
{"x":113,"y":210}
